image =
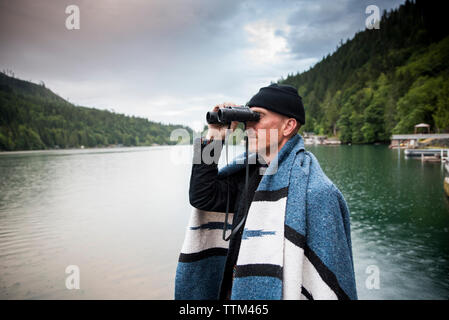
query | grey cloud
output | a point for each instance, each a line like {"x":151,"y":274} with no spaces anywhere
{"x":129,"y":55}
{"x":152,"y":33}
{"x":318,"y":28}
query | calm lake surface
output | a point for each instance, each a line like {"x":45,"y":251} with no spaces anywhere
{"x":120,"y":215}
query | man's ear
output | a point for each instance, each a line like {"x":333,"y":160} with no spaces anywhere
{"x":290,"y":126}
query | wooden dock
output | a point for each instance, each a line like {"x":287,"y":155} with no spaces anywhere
{"x":404,"y":141}
{"x":423,"y":152}
{"x":418,"y":136}
{"x":432,"y":155}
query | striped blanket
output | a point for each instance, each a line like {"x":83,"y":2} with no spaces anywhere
{"x":296,"y":243}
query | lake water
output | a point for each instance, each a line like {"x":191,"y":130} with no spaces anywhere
{"x":120,"y":216}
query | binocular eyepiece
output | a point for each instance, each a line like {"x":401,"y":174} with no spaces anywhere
{"x":228,"y":114}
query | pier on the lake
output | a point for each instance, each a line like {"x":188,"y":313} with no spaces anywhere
{"x":427,"y":146}
{"x":428,"y":154}
{"x":407,"y":141}
{"x":420,"y":140}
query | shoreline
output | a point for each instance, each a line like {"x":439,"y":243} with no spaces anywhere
{"x":68,"y":150}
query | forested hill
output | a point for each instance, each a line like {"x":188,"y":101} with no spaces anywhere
{"x":33,"y":117}
{"x":382,"y":81}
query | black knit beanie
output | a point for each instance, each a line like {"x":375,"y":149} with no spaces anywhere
{"x":280,"y":98}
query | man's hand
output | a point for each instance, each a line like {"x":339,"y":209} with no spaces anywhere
{"x":218,"y":131}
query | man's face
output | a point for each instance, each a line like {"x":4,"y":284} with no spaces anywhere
{"x":266,"y":132}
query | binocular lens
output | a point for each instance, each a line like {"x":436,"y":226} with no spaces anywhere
{"x":228,"y":114}
{"x":212,"y":117}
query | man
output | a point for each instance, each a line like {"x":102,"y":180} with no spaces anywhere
{"x":295,"y":239}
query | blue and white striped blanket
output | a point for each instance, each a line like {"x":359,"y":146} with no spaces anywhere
{"x":296,"y":243}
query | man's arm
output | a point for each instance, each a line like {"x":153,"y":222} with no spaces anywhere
{"x":208,"y":191}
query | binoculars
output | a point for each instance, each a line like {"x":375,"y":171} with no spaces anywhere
{"x":228,"y":114}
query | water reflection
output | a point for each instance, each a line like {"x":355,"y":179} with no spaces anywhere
{"x":400,"y":219}
{"x":120,"y":216}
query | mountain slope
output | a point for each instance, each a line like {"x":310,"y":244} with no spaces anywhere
{"x":382,"y":81}
{"x":33,"y":117}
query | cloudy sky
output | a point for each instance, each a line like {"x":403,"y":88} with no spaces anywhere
{"x":171,"y":60}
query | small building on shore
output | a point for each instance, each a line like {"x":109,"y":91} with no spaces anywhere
{"x":412,"y":141}
{"x":422,"y":125}
{"x":311,"y":138}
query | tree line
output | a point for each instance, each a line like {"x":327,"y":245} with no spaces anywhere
{"x":382,"y":81}
{"x":33,"y":117}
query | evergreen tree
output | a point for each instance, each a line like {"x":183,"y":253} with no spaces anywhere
{"x":382,"y":81}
